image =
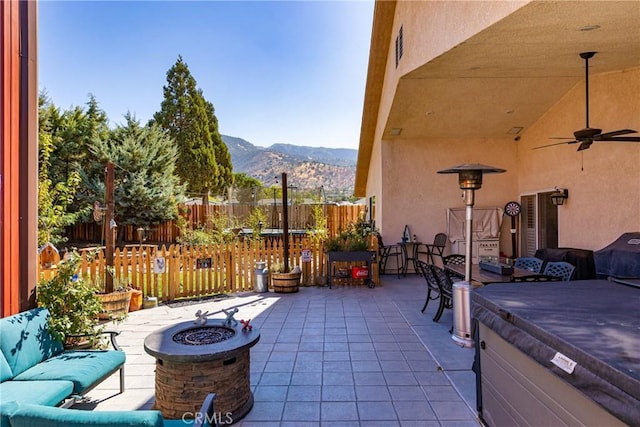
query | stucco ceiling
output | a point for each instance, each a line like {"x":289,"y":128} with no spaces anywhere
{"x":511,"y":73}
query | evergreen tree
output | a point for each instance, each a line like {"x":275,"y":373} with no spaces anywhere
{"x":71,"y":134}
{"x":54,"y":197}
{"x":147,"y":188}
{"x":249,"y":189}
{"x":223,"y":157}
{"x":184,"y":117}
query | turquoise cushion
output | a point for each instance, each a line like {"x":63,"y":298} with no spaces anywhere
{"x":25,"y":340}
{"x":36,"y":415}
{"x":82,"y":367}
{"x":5,"y":369}
{"x":39,"y":392}
{"x":6,"y":409}
{"x":187,"y":422}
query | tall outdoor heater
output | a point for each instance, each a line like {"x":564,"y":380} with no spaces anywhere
{"x":469,"y":179}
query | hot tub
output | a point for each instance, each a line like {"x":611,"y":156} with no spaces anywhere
{"x":558,"y":353}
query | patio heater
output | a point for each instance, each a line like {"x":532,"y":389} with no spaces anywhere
{"x":469,"y":179}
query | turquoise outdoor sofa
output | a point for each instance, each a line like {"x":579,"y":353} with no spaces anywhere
{"x":36,"y":369}
{"x":28,"y":415}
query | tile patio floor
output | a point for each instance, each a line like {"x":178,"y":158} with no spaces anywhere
{"x":347,"y":356}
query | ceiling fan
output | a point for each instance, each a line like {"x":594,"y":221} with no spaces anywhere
{"x":588,"y":135}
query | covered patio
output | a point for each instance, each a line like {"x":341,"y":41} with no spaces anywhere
{"x":346,"y":356}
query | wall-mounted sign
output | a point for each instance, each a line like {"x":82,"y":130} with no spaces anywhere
{"x":306,"y":255}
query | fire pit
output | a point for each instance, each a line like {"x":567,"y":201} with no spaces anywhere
{"x":194,"y":360}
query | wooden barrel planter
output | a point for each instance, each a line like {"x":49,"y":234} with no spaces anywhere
{"x":285,"y":282}
{"x":114,"y":305}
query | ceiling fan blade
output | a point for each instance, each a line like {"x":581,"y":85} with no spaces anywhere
{"x":561,"y":137}
{"x":603,"y":136}
{"x":584,"y":145}
{"x":621,"y":139}
{"x":551,"y":145}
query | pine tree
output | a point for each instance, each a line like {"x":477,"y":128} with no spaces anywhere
{"x":184,"y":116}
{"x":54,"y":197}
{"x":147,"y":186}
{"x":223,"y":157}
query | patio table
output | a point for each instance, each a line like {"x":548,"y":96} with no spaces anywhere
{"x":484,"y":276}
{"x":406,"y":258}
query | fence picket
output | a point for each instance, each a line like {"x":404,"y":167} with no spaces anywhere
{"x":194,"y":271}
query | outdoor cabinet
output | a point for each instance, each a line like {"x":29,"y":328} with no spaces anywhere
{"x":557,"y":353}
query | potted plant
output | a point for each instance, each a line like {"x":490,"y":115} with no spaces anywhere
{"x":73,"y":304}
{"x":283,"y":281}
{"x":115,"y":305}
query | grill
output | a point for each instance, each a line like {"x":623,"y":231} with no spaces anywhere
{"x":621,"y":258}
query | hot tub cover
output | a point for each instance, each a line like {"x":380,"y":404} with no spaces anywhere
{"x":593,"y":322}
{"x":621,"y":258}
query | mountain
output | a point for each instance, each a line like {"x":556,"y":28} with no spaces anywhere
{"x":306,"y":167}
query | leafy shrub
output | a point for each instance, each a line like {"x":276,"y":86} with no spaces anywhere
{"x":72,"y":302}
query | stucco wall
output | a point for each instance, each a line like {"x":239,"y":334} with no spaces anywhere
{"x":603,"y":181}
{"x":431,"y":28}
{"x":394,"y":197}
{"x":416,"y":195}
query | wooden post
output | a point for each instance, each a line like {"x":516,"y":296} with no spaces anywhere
{"x":110,"y":228}
{"x":285,"y":223}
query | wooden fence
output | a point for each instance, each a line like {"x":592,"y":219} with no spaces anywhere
{"x":177,"y":271}
{"x":300,"y":218}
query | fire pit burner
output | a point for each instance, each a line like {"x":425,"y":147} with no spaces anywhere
{"x":204,"y":335}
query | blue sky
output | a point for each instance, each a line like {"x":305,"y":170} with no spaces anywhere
{"x":276,"y":72}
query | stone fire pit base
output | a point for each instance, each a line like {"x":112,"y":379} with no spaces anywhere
{"x":185,"y":374}
{"x":181,"y":385}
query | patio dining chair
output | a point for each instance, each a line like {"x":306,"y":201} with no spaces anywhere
{"x":433,"y":290}
{"x":389,"y":251}
{"x":559,"y":269}
{"x":535,"y":278}
{"x":436,"y":248}
{"x":529,"y":263}
{"x":446,"y":290}
{"x":439,"y":287}
{"x":453,"y":259}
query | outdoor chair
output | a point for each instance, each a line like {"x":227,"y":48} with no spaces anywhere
{"x":453,"y":259}
{"x":436,"y":248}
{"x":529,"y":263}
{"x":446,"y":290}
{"x":559,"y":269}
{"x":536,"y":278}
{"x":439,"y":287}
{"x":433,"y":290}
{"x":389,"y":251}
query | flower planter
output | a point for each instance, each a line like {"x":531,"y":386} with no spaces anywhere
{"x":136,"y":300}
{"x":348,"y":257}
{"x":114,"y":305}
{"x":286,"y":282}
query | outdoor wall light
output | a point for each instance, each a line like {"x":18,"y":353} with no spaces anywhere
{"x":469,"y":179}
{"x":559,"y":196}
